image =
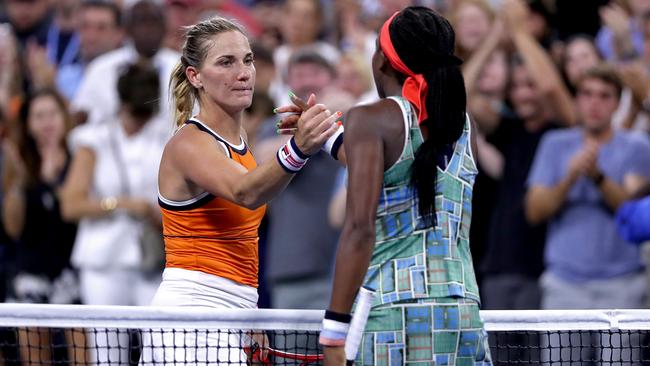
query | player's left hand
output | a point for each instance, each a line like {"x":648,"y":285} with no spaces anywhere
{"x":333,"y":356}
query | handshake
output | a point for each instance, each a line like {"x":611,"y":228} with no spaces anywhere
{"x":312,"y":125}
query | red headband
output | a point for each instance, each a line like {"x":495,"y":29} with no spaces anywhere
{"x":415,"y":87}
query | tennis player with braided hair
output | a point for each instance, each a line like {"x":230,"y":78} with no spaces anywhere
{"x":414,"y":150}
{"x":211,"y":191}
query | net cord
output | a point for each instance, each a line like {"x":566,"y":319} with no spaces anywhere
{"x":133,"y":317}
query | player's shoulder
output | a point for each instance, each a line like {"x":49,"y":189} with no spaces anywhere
{"x":377,"y":107}
{"x":372,"y":115}
{"x":190,"y":142}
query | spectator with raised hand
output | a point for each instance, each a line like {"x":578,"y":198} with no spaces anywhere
{"x":635,"y":102}
{"x":34,"y":168}
{"x":486,"y":76}
{"x":513,"y":255}
{"x":99,"y":31}
{"x":513,"y":259}
{"x":539,"y":63}
{"x":97,"y":100}
{"x":580,"y":176}
{"x":621,"y":36}
{"x":634,"y":108}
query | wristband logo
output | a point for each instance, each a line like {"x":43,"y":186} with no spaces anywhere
{"x":288,"y":157}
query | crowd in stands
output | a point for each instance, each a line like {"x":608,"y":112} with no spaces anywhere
{"x":559,"y":91}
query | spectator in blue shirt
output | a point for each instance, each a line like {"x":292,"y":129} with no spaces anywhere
{"x":580,"y":176}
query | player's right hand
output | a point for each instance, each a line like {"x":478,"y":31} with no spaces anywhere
{"x":314,"y":127}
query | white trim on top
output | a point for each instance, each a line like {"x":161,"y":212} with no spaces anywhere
{"x":241,"y":145}
{"x":182,"y":203}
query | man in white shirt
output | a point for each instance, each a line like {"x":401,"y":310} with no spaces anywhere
{"x":96,"y":100}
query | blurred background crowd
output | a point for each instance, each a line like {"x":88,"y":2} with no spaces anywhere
{"x":84,"y":116}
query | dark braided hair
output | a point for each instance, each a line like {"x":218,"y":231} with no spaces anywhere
{"x":424,"y":40}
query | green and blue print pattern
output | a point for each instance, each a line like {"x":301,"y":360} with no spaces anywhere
{"x":427,"y":308}
{"x":445,"y":332}
{"x":411,"y":261}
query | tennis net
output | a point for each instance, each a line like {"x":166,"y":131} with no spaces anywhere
{"x":117,"y":335}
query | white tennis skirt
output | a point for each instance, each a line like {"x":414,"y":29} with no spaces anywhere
{"x":181,"y":287}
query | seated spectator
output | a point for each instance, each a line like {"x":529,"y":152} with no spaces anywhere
{"x":34,"y":169}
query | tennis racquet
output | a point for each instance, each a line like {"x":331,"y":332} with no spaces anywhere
{"x":364,"y":301}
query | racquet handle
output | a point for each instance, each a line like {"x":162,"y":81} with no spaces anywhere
{"x":358,"y":324}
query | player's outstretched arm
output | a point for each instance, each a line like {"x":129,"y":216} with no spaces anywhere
{"x":365,"y":160}
{"x":225,"y":178}
{"x":365,"y":157}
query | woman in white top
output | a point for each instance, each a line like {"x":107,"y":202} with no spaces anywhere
{"x":112,"y":190}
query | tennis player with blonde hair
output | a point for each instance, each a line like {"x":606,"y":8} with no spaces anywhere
{"x":211,"y":191}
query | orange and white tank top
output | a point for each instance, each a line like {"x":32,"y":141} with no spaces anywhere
{"x":211,"y":234}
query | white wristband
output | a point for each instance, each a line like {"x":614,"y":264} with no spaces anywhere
{"x":290,"y":157}
{"x":334,"y":143}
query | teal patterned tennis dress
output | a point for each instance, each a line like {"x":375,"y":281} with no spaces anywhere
{"x":427,"y":306}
